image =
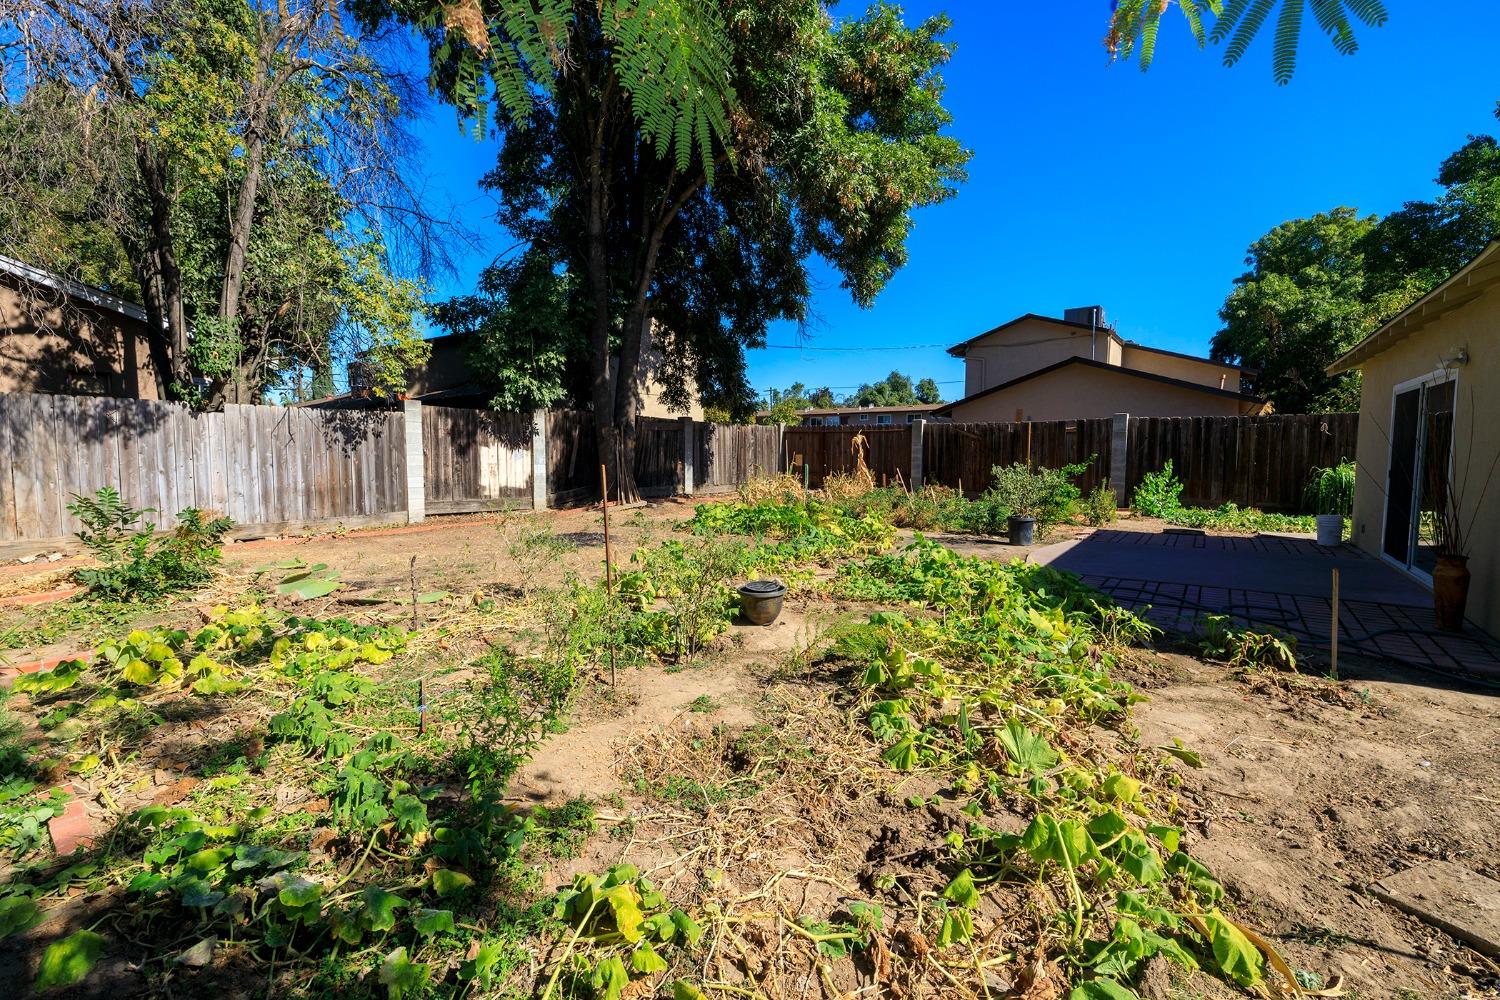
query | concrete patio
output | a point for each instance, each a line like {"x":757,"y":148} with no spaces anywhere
{"x":1278,"y":582}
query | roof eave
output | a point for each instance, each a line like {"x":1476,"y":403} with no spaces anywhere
{"x":1468,"y":283}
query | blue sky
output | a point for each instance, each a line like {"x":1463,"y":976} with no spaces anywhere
{"x":1093,"y":183}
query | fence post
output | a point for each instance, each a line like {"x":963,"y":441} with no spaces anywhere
{"x":918,"y":428}
{"x":689,"y":442}
{"x":1119,"y":450}
{"x":781,"y":459}
{"x":538,"y":459}
{"x":416,"y":472}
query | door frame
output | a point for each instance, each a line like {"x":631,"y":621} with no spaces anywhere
{"x":1438,"y":376}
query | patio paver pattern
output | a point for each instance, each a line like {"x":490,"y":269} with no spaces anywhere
{"x":1278,"y":582}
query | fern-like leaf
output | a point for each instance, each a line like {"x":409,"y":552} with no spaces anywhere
{"x":1330,"y":18}
{"x":1288,"y":31}
{"x":1248,"y":28}
{"x":672,"y":58}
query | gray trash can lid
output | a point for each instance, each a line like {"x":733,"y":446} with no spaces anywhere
{"x":766,"y":587}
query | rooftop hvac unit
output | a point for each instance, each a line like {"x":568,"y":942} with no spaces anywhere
{"x":1090,"y":316}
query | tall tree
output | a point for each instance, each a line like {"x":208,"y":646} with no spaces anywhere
{"x":834,"y":139}
{"x":247,"y":158}
{"x":1317,"y":286}
{"x":1303,"y":302}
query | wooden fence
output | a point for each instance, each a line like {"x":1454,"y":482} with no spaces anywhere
{"x":962,"y":456}
{"x":475,"y":460}
{"x":1251,"y":461}
{"x":730,"y":454}
{"x":572,"y":459}
{"x":827,"y":451}
{"x":277,"y":468}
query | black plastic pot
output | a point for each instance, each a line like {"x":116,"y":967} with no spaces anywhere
{"x":760,"y":601}
{"x":1022,"y":530}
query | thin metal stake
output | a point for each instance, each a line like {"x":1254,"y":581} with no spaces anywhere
{"x":1334,"y":643}
{"x":421,"y":707}
{"x":609,"y":573}
{"x":413,"y":593}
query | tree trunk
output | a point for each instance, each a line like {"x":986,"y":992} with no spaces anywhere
{"x":612,"y":447}
{"x":239,"y":232}
{"x":168,"y":277}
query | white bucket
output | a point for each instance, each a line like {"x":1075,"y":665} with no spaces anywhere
{"x":1330,"y":529}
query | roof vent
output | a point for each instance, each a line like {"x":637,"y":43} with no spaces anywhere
{"x":1090,"y":316}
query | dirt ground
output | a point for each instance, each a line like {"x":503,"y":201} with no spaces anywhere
{"x":1309,"y":790}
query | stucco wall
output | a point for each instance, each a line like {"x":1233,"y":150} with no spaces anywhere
{"x":1203,"y":372}
{"x":1025,"y":347}
{"x":1476,"y":432}
{"x":52,"y":344}
{"x":1079,"y":392}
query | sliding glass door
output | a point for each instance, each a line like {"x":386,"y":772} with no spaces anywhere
{"x":1420,"y":463}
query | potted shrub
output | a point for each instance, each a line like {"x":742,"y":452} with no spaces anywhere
{"x":1330,"y":496}
{"x":1037,"y":498}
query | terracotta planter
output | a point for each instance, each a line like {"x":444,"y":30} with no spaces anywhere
{"x":1450,"y":591}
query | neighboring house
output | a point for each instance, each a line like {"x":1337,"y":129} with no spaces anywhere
{"x":1043,"y":368}
{"x":859,"y":416}
{"x":447,"y":380}
{"x":58,"y":335}
{"x":1430,"y":400}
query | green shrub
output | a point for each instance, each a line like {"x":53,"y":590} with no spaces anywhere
{"x":1330,"y":491}
{"x":1048,"y":495}
{"x":1099,"y":506}
{"x":1159,"y":494}
{"x":136,"y":564}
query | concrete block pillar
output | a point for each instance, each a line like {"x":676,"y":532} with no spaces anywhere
{"x":1119,"y":451}
{"x":918,"y":430}
{"x":538,"y":459}
{"x":416,"y":472}
{"x":689,"y":449}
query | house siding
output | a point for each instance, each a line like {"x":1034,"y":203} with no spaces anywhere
{"x":1201,"y":371}
{"x":52,"y":343}
{"x":1081,"y":392}
{"x":1030,"y":345}
{"x":1476,"y":432}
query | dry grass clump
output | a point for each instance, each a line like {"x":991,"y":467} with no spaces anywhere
{"x":774,"y":831}
{"x":784,"y":488}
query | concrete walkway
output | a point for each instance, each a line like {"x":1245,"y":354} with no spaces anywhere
{"x":1277,"y":582}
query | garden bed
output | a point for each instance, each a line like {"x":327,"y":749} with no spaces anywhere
{"x":932,"y":775}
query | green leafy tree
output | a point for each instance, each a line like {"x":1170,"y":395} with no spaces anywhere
{"x":895,"y":389}
{"x":242,"y":159}
{"x":837,"y":138}
{"x":1135,"y":24}
{"x":1318,"y":286}
{"x":928,"y":392}
{"x":1303,"y":302}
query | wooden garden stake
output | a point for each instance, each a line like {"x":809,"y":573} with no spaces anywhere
{"x":1334,"y":640}
{"x":413,"y":593}
{"x":609,"y":573}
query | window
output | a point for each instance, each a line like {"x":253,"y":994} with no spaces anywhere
{"x":864,"y":418}
{"x":910,"y":417}
{"x":884,"y":418}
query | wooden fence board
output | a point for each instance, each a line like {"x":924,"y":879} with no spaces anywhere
{"x":1250,"y":461}
{"x":828,"y":451}
{"x":964,"y":455}
{"x":472,"y":460}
